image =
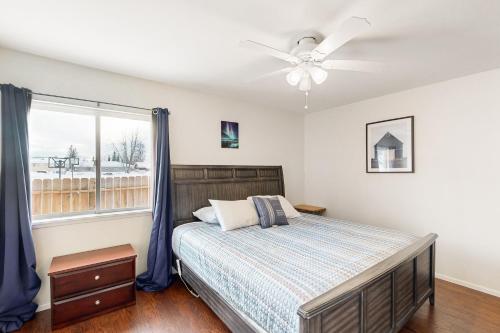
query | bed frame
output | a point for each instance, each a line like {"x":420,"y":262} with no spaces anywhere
{"x":380,"y":299}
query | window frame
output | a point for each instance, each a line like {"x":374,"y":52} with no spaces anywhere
{"x":97,"y":213}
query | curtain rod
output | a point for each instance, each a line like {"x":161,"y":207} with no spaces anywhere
{"x":97,"y":102}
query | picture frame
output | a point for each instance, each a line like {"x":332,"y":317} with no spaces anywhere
{"x":390,"y":146}
{"x":229,"y":135}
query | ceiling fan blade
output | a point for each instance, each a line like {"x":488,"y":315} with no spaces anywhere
{"x":274,"y":73}
{"x":270,"y":51}
{"x":353,"y":65}
{"x":349,"y":29}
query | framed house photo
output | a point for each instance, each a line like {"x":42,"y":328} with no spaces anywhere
{"x":389,"y":146}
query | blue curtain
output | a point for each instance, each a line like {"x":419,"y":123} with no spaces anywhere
{"x":159,"y":273}
{"x":19,"y":282}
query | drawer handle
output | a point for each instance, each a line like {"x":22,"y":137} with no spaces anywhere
{"x":97,"y":302}
{"x":97,"y":277}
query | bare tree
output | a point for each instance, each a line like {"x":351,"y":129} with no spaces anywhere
{"x":72,"y":152}
{"x":73,"y":159}
{"x":130,"y":150}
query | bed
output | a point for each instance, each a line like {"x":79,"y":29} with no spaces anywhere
{"x":317,"y":275}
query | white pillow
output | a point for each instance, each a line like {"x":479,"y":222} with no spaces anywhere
{"x":206,"y":214}
{"x":290,"y":212}
{"x":234,"y":214}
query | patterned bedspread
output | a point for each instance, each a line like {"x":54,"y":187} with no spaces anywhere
{"x":268,"y":273}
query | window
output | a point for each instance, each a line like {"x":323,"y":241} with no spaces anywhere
{"x":125,"y":163}
{"x":85,"y":160}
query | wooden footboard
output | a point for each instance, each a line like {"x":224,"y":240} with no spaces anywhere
{"x":381,"y":299}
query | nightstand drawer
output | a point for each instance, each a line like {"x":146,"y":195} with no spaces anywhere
{"x":85,"y":306}
{"x":75,"y":282}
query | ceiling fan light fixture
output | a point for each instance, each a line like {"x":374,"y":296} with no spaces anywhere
{"x":305,"y":83}
{"x":318,"y":75}
{"x":294,"y":77}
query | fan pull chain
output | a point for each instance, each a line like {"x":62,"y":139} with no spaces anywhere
{"x":306,"y":100}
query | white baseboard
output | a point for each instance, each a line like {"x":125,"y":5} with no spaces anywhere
{"x":42,"y":307}
{"x":469,"y":285}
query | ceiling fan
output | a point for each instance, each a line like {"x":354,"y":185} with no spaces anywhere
{"x":308,"y":61}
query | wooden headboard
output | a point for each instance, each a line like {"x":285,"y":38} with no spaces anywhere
{"x":193,"y":185}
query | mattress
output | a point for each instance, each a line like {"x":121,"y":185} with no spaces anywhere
{"x":267,"y":274}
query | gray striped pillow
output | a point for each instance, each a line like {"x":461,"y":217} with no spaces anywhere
{"x":270,"y":212}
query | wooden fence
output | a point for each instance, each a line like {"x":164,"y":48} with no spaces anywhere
{"x":69,"y":195}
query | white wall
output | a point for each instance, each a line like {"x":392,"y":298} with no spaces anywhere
{"x":267,"y":137}
{"x":455,"y":190}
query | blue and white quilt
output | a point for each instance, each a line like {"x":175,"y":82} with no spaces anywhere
{"x":267,"y":274}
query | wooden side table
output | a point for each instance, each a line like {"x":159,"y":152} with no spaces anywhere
{"x":309,"y":209}
{"x":87,"y":284}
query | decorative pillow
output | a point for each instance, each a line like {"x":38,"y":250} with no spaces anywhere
{"x":290,"y":212}
{"x":234,"y":214}
{"x":270,"y":212}
{"x":206,"y":214}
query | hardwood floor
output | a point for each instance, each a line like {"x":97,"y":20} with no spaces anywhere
{"x":457,"y":310}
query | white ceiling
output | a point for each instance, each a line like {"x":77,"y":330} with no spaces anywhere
{"x":194,"y":43}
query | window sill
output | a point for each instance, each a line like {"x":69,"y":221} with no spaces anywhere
{"x":90,"y":218}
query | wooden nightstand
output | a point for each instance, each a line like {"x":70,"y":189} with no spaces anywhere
{"x":310,"y":209}
{"x":87,"y":284}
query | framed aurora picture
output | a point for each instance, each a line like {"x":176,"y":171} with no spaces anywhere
{"x":389,"y":146}
{"x":229,"y":134}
